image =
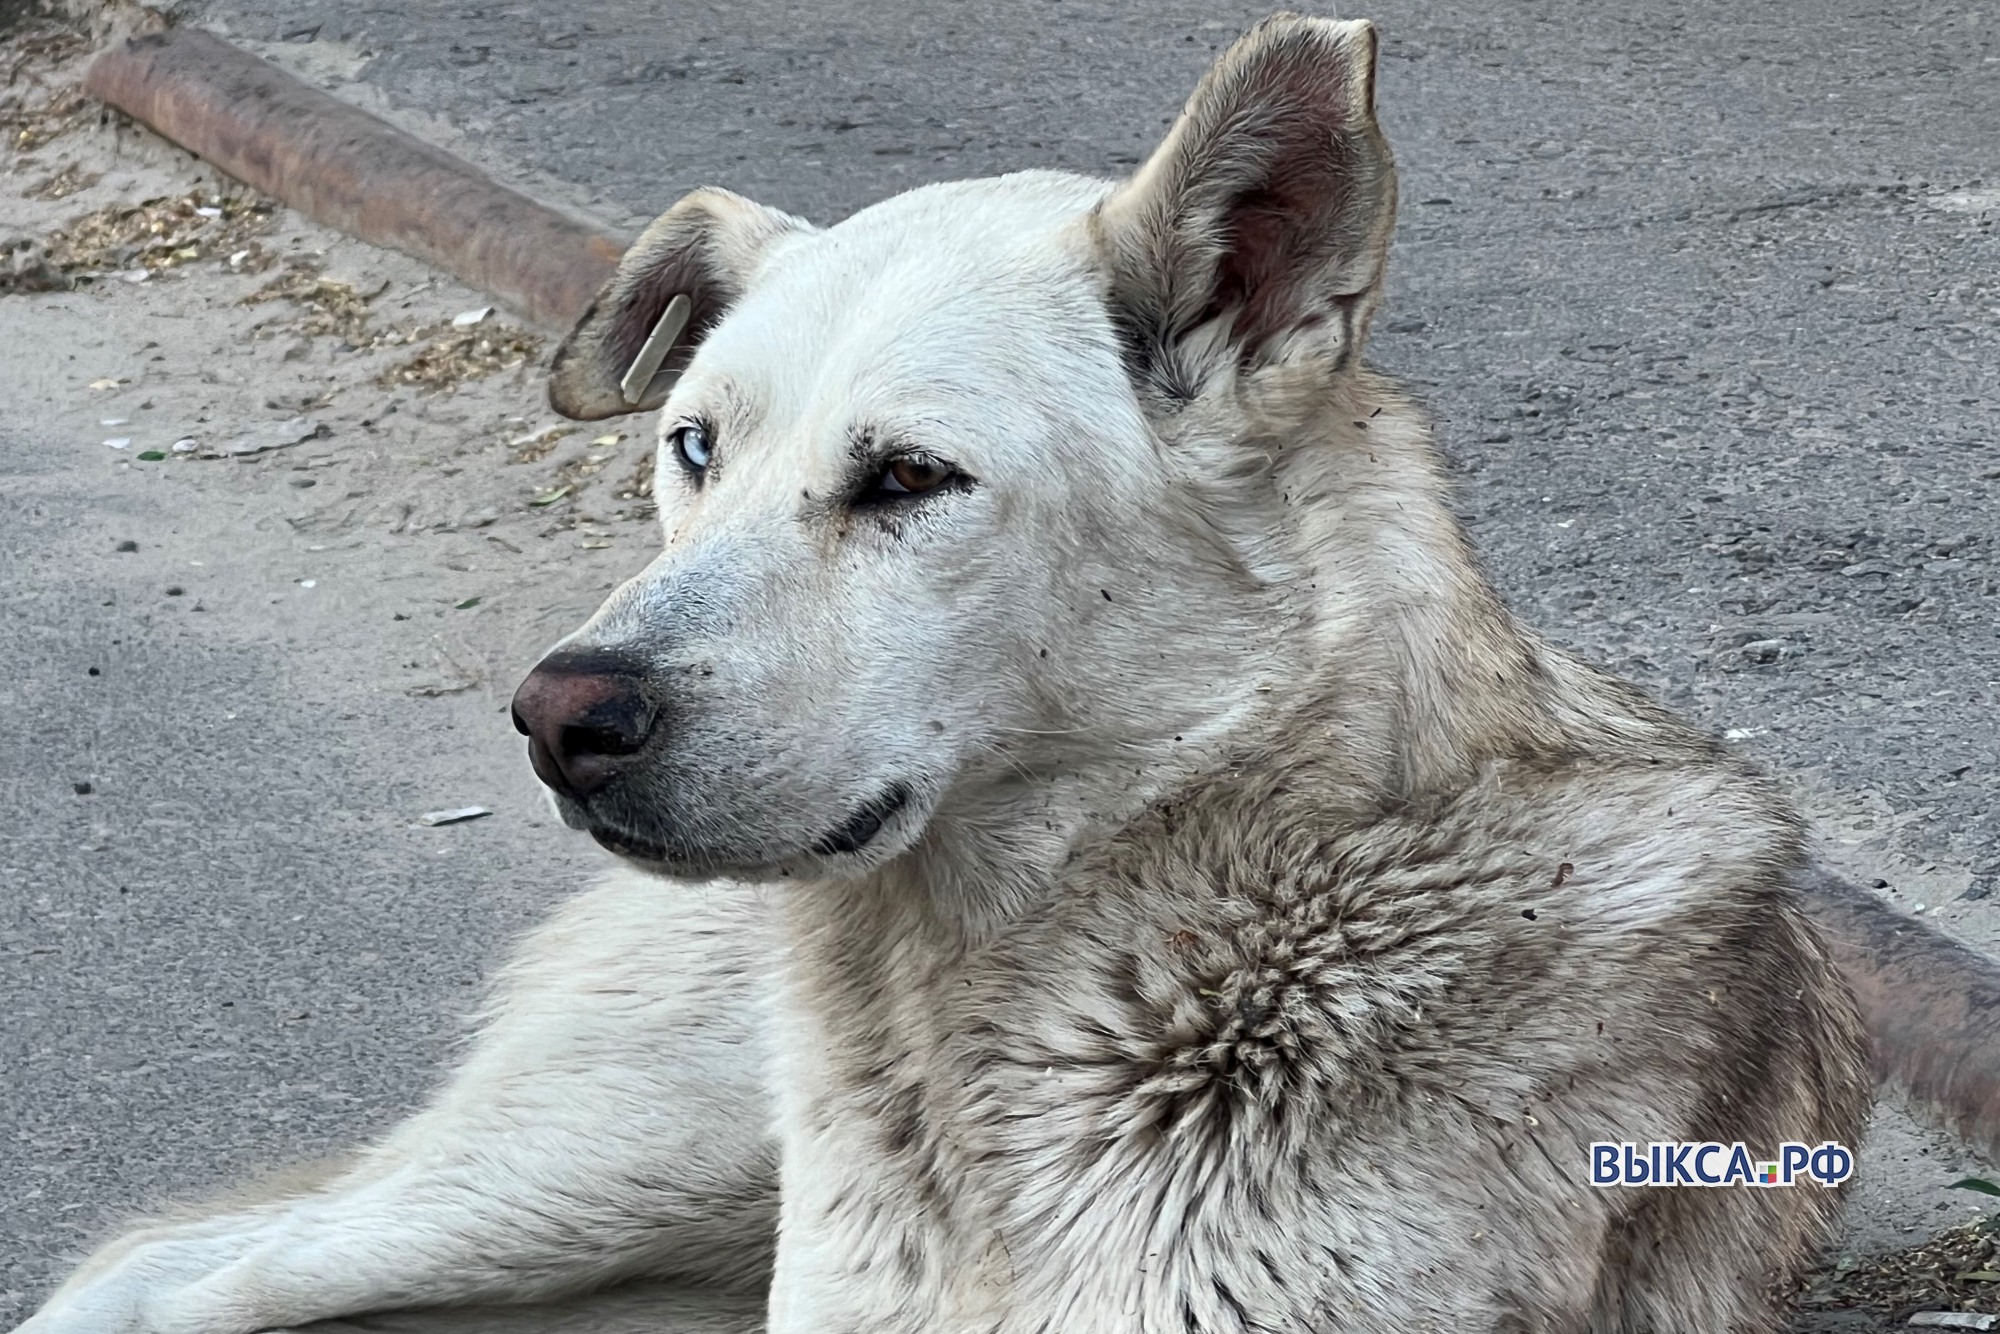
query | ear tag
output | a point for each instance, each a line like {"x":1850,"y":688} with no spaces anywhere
{"x":658,"y":343}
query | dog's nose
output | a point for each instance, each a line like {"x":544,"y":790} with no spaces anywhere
{"x":580,"y":711}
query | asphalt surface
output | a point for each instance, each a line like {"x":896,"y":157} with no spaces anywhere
{"x":1706,"y":297}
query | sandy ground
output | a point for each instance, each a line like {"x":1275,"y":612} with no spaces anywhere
{"x":239,"y":678}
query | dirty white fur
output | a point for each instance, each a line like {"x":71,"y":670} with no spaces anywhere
{"x":1271,"y":921}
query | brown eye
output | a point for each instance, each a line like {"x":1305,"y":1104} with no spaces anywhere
{"x":913,"y":477}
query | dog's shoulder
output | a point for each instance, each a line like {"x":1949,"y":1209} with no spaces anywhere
{"x":1624,"y":842}
{"x":1512,"y":933}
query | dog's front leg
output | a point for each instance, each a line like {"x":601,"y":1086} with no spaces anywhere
{"x":610,"y":1123}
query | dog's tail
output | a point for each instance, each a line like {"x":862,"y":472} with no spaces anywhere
{"x":1932,"y":1007}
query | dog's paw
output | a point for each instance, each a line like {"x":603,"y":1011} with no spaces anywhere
{"x":154,"y":1287}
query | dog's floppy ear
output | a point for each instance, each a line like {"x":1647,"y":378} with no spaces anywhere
{"x":1258,"y":229}
{"x":705,"y":249}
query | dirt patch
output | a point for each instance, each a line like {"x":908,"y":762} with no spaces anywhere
{"x":216,"y":225}
{"x":176,"y":326}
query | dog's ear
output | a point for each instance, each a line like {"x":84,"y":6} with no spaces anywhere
{"x":1258,"y":229}
{"x":706,"y":248}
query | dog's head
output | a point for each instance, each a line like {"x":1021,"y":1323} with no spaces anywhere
{"x":944,"y":487}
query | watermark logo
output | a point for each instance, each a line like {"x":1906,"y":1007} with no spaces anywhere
{"x":1678,"y":1163}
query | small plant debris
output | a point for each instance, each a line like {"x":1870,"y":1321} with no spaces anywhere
{"x":472,"y":354}
{"x":159,"y":234}
{"x":534,"y":448}
{"x":328,"y":307}
{"x":639,"y":486}
{"x":1956,"y":1270}
{"x":34,"y":107}
{"x":29,"y":122}
{"x":71,"y":180}
{"x":575,"y":474}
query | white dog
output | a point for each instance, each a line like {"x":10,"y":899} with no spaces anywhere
{"x":1100,"y":857}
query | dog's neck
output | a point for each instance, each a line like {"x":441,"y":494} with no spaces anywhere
{"x":1408,"y":675}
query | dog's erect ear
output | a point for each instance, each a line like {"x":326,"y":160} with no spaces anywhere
{"x":1258,"y":229}
{"x":706,"y":248}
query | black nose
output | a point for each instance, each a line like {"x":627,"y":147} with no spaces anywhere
{"x":581,"y":710}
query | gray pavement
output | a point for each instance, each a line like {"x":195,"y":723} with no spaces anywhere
{"x":1706,"y":297}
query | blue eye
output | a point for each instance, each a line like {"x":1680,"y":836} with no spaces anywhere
{"x":691,"y":444}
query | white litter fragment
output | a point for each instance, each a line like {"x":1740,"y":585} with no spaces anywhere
{"x":119,"y":441}
{"x":1953,"y":1320}
{"x":452,"y":816}
{"x":236,"y":260}
{"x":1743,"y":733}
{"x":185,"y":445}
{"x":277,"y":435}
{"x":1968,"y":201}
{"x":308,"y":583}
{"x":135,"y":275}
{"x":540,"y":435}
{"x":114,"y":421}
{"x":465,"y":319}
{"x":107,"y":383}
{"x":206,"y":212}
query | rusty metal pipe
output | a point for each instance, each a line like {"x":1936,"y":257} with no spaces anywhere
{"x":355,"y":172}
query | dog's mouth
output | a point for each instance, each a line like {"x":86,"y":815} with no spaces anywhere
{"x":850,"y":836}
{"x":862,"y":826}
{"x":630,"y":845}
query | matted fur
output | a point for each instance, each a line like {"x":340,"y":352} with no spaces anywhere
{"x":1265,"y":922}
